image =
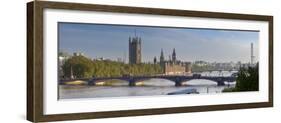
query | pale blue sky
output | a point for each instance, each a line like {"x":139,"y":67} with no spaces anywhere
{"x":111,"y":42}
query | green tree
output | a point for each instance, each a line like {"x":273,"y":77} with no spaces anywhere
{"x":81,"y":66}
{"x":247,"y":80}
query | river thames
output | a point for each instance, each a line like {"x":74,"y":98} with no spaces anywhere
{"x":147,"y":88}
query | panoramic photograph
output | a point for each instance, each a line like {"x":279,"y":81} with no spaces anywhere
{"x":105,"y":60}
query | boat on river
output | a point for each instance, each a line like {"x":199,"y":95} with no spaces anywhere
{"x":185,"y":91}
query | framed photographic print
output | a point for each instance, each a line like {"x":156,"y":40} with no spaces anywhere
{"x":96,"y":61}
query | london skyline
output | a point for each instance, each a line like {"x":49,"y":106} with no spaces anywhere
{"x":111,"y":42}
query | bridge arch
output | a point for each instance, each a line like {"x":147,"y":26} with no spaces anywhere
{"x":178,"y":80}
{"x":158,"y":82}
{"x":200,"y":82}
{"x":108,"y":81}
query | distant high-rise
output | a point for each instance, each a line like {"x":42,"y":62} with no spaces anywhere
{"x":174,"y":56}
{"x":162,"y":59}
{"x":134,"y":50}
{"x":78,"y":54}
{"x":155,"y":60}
{"x":252,"y":53}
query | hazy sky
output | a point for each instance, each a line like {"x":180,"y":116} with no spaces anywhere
{"x":111,"y":42}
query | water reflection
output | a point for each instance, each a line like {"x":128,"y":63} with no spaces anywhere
{"x":158,"y":82}
{"x":149,"y":88}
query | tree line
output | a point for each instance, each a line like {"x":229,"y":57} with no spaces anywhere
{"x":83,"y":67}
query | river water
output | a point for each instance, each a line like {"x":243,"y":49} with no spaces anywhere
{"x":148,"y":88}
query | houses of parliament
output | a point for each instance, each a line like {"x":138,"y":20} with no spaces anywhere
{"x":134,"y":50}
{"x":172,"y":66}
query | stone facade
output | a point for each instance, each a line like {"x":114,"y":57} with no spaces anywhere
{"x":188,"y":67}
{"x":134,"y":50}
{"x":174,"y":66}
{"x":174,"y":69}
